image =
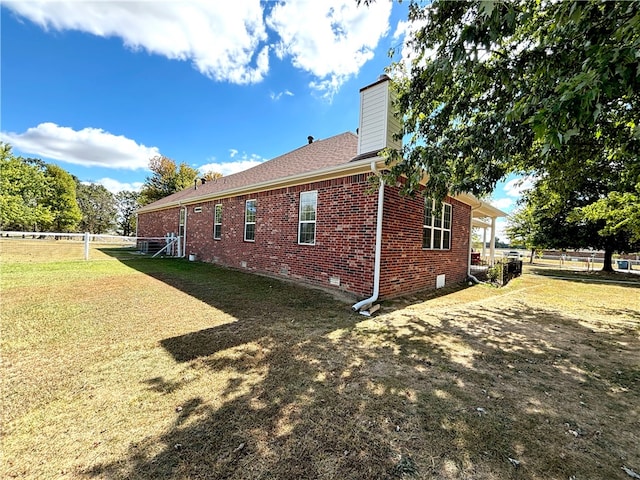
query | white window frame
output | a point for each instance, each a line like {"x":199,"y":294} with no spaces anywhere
{"x":217,"y":221}
{"x":437,"y":229}
{"x":313,"y":194}
{"x":248,"y":222}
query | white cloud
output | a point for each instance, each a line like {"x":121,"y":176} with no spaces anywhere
{"x":517,"y":186}
{"x":228,"y":168}
{"x":89,"y":147}
{"x":405,"y":32}
{"x":332,"y":39}
{"x":233,"y":152}
{"x":277,"y":96}
{"x":223,"y":40}
{"x":501,"y":203}
{"x":115,"y":186}
{"x":229,"y":41}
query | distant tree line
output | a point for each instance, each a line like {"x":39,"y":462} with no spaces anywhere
{"x":37,"y":196}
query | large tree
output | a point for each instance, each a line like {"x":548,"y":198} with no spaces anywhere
{"x":127,"y":202}
{"x":23,"y":193}
{"x":61,"y":200}
{"x":541,"y":87}
{"x":166,"y":178}
{"x":522,"y":229}
{"x":98,"y":206}
{"x":552,"y":216}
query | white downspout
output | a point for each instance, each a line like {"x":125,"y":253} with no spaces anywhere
{"x":378,"y":251}
{"x":184,"y":238}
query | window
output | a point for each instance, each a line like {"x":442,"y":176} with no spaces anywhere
{"x":217,"y":222}
{"x":250,"y":221}
{"x":436,"y":232}
{"x":307,"y":218}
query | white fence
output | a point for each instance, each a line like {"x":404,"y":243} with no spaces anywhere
{"x":55,"y":246}
{"x":589,"y":261}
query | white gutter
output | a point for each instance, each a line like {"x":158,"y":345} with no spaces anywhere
{"x":378,"y":251}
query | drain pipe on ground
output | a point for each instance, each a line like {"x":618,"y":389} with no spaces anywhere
{"x":364,"y":307}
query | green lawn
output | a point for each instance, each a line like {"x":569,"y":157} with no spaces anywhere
{"x":151,"y":369}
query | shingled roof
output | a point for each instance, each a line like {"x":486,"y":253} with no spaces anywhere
{"x":330,"y":152}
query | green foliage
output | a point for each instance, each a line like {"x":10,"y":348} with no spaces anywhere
{"x":127,"y":202}
{"x":521,"y":227}
{"x":498,"y":87}
{"x":98,"y":206}
{"x":494,"y":273}
{"x":561,"y":215}
{"x":542,"y":87}
{"x":61,"y":200}
{"x":167,"y":178}
{"x":620,"y":213}
{"x":23,"y":193}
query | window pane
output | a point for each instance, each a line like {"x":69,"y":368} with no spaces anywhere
{"x":446,"y":240}
{"x":447,"y":217}
{"x":307,"y":213}
{"x":436,"y":238}
{"x":217,"y":231}
{"x":437,"y":221}
{"x":308,"y":203}
{"x":218,"y":218}
{"x":307,"y":233}
{"x":428,"y":213}
{"x":250,"y":213}
{"x":250,"y":231}
{"x":307,"y":218}
{"x":426,"y":238}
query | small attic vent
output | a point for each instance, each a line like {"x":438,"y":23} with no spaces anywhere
{"x":197,"y":209}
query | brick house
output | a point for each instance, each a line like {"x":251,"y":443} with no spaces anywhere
{"x":311,"y":215}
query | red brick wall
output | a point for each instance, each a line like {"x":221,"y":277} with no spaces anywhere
{"x":345,"y":234}
{"x":406,"y":267}
{"x":345,"y":237}
{"x":158,"y":224}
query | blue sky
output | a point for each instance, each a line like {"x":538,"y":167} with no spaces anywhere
{"x":100,"y":87}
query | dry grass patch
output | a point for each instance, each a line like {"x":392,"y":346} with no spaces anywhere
{"x":169,"y":369}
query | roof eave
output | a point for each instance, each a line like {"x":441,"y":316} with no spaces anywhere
{"x":336,"y":171}
{"x":480,"y":208}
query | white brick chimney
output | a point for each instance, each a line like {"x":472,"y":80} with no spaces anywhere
{"x":378,"y":120}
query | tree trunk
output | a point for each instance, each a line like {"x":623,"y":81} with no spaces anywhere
{"x":608,"y":254}
{"x":533,"y":252}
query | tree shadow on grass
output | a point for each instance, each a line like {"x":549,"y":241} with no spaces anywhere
{"x":481,"y":393}
{"x":621,"y":279}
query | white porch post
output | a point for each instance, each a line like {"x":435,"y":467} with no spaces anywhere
{"x":492,"y":245}
{"x":484,"y":244}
